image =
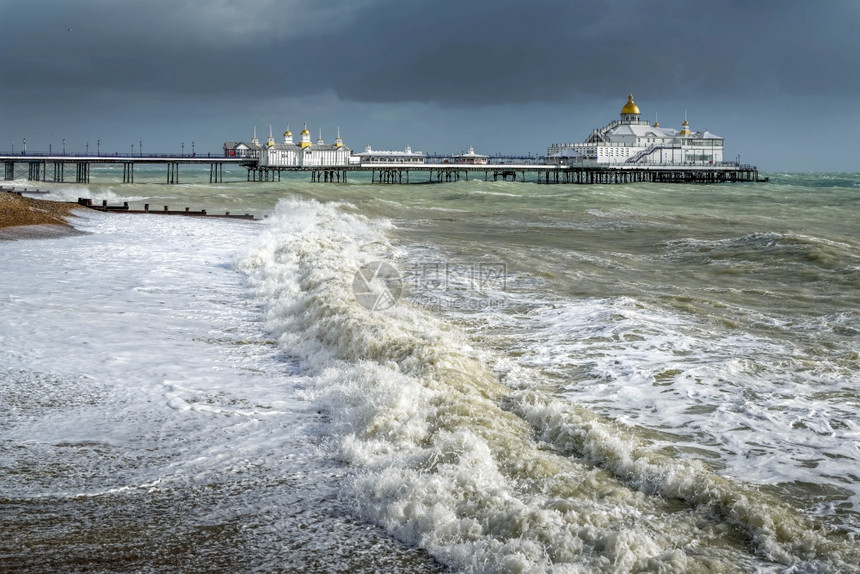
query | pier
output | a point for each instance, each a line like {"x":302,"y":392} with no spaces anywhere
{"x":76,"y":169}
{"x":404,"y":174}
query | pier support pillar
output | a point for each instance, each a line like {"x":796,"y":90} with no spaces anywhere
{"x":216,"y":173}
{"x":36,"y":170}
{"x":59,"y":168}
{"x":83,"y":172}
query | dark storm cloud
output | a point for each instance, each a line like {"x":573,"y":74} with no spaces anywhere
{"x":499,"y":75}
{"x":455,"y":53}
{"x":498,"y":52}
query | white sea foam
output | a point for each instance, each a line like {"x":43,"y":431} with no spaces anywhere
{"x":60,"y":192}
{"x":138,"y":393}
{"x":133,"y":317}
{"x":445,"y":456}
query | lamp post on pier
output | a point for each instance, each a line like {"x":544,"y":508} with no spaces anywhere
{"x":25,"y":147}
{"x":64,"y":146}
{"x":183,"y":149}
{"x":99,"y":146}
{"x":140,"y":148}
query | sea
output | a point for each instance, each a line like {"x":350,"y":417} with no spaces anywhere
{"x":465,"y":377}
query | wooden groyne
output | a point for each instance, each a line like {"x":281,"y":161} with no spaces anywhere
{"x":22,"y":191}
{"x":124,"y":208}
{"x":88,"y":203}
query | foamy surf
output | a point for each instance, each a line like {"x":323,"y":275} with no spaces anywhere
{"x":489,"y":479}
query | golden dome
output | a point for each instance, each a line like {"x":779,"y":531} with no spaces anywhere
{"x":630,"y":107}
{"x":288,"y":133}
{"x":306,"y":132}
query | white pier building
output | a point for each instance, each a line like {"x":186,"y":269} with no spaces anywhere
{"x":373,"y":156}
{"x":305,"y":153}
{"x":470,"y":158}
{"x":291,"y":154}
{"x":633,"y":141}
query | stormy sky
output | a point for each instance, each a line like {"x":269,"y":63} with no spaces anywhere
{"x":778,"y":79}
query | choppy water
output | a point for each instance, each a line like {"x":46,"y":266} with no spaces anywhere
{"x":474,"y":376}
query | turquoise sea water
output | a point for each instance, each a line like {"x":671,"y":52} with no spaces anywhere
{"x":492,"y":376}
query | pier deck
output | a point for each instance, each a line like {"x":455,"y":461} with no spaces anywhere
{"x":76,"y":168}
{"x":534,"y":173}
{"x":58,"y":168}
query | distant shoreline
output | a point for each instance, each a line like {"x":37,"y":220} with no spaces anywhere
{"x":27,"y":218}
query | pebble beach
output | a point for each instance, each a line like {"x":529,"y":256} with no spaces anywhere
{"x":27,"y":218}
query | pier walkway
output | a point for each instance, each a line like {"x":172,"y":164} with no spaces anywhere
{"x":76,"y":168}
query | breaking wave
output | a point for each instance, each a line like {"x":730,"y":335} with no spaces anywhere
{"x":486,"y":477}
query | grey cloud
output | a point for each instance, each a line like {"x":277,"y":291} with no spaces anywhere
{"x":167,"y":69}
{"x":456,"y":53}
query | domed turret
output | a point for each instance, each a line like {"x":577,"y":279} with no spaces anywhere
{"x":288,"y":135}
{"x":630,"y":107}
{"x":306,"y":138}
{"x":685,"y":128}
{"x":630,"y":111}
